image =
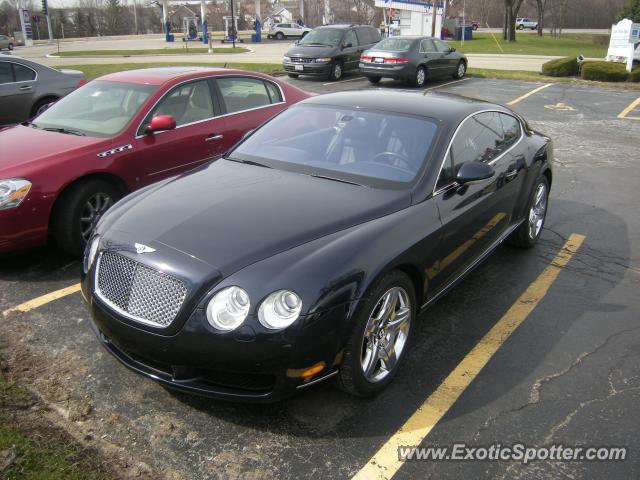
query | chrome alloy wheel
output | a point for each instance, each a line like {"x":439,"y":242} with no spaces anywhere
{"x":538,"y":211}
{"x":461,"y":70}
{"x":93,"y":209}
{"x":385,"y":335}
{"x":421,"y":76}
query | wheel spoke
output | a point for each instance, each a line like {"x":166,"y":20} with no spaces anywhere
{"x":388,"y":357}
{"x":370,"y":362}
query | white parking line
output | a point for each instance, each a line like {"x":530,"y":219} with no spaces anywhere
{"x":448,"y":83}
{"x":343,"y":81}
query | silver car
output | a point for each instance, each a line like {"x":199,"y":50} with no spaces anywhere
{"x":6,"y":42}
{"x":28,"y":88}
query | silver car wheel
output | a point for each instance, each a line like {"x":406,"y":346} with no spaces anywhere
{"x":93,"y":209}
{"x":461,"y":70}
{"x":385,"y":335}
{"x":538,"y":211}
{"x":421,"y":76}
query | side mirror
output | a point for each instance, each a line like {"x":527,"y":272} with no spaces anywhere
{"x":451,"y":49}
{"x":474,"y":172}
{"x":161,"y":123}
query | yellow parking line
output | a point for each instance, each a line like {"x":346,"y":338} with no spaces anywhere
{"x":43,"y":300}
{"x":385,"y":463}
{"x":629,"y":109}
{"x":527,"y":95}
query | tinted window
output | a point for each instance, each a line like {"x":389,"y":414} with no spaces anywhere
{"x":441,"y":46}
{"x":350,"y":38}
{"x":511,"y":129}
{"x":23,"y":74}
{"x":187,"y":103}
{"x":274,"y":92}
{"x":325,"y":36}
{"x":394,"y":44}
{"x":363,"y":36}
{"x":6,"y":75}
{"x":241,"y":93}
{"x":376,"y":36}
{"x":427,"y":46}
{"x":343,"y":143}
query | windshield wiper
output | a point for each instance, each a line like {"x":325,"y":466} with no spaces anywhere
{"x":247,"y":162}
{"x":316,"y":45}
{"x":341,"y":180}
{"x":68,"y":131}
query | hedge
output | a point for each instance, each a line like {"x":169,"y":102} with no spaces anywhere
{"x":561,"y":67}
{"x":634,"y":76}
{"x":604,"y":71}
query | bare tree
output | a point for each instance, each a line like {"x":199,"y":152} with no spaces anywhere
{"x":541,"y":6}
{"x":511,"y":7}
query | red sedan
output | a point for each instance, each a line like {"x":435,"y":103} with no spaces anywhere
{"x":62,"y":171}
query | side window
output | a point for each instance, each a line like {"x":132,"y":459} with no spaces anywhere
{"x":480,"y":139}
{"x":23,"y":74}
{"x":446,"y":174}
{"x":187,"y":103}
{"x":363,"y":36}
{"x":242,"y":93}
{"x":441,"y":46}
{"x":511,"y":130}
{"x":375,"y":34}
{"x":6,"y":74}
{"x":427,"y":46}
{"x":350,"y":38}
{"x":274,"y":92}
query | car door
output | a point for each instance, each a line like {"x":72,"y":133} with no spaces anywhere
{"x":197,"y":138}
{"x":351,"y":50}
{"x":449,"y":61}
{"x":16,"y":92}
{"x":433,"y":58}
{"x":246,"y":103}
{"x":475,"y":215}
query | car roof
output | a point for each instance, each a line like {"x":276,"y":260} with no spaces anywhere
{"x":341,"y":26}
{"x":447,"y":107}
{"x":161,"y":75}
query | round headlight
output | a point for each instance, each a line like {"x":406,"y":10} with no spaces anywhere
{"x":90,"y":253}
{"x":228,"y":308}
{"x":280,"y":309}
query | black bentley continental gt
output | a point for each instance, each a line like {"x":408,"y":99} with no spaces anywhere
{"x":309,"y":249}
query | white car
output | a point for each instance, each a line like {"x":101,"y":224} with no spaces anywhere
{"x":282,"y":31}
{"x":522,"y":23}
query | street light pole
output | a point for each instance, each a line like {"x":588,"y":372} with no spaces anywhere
{"x":233,"y":27}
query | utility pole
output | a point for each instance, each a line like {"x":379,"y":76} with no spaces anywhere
{"x":233,"y":26}
{"x":45,"y":12}
{"x":135,"y":17}
{"x":464,"y":27}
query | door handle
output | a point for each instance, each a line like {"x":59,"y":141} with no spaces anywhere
{"x":214,"y":137}
{"x":25,"y":88}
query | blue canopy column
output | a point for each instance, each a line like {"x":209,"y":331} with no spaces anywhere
{"x":203,"y":18}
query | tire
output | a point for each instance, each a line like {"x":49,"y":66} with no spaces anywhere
{"x":40,"y":105}
{"x":293,"y":75}
{"x":474,"y":27}
{"x":420,"y":77}
{"x":520,"y":27}
{"x":66,"y":223}
{"x":525,"y":236}
{"x":461,"y":70}
{"x":10,"y":47}
{"x":337,"y":70}
{"x":280,"y":36}
{"x":358,"y":350}
{"x":374,"y":80}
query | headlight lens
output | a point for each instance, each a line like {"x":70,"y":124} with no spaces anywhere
{"x":228,"y":308}
{"x":280,"y":309}
{"x":286,"y":59}
{"x":323,"y":60}
{"x":90,"y":253}
{"x":13,"y":191}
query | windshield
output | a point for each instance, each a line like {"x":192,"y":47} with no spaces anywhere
{"x":98,"y":109}
{"x":365,"y":147}
{"x":323,"y":36}
{"x":394,"y":44}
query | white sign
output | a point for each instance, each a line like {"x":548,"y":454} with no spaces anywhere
{"x":624,"y":37}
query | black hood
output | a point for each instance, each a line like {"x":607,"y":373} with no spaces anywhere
{"x":311,"y":52}
{"x":231,"y":215}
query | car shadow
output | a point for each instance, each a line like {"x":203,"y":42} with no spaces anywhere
{"x":42,"y":264}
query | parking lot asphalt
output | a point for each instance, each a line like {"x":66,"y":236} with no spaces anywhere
{"x":566,"y":375}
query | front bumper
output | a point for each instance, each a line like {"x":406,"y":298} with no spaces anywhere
{"x":400,"y":72}
{"x":241,"y":366}
{"x":22,"y":228}
{"x":312,"y":69}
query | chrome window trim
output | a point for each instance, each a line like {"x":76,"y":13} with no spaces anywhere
{"x":213,"y":77}
{"x":448,"y":150}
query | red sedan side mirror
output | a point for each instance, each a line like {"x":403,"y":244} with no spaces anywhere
{"x":160,"y":123}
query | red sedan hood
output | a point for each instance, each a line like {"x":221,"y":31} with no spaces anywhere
{"x":22,"y":148}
